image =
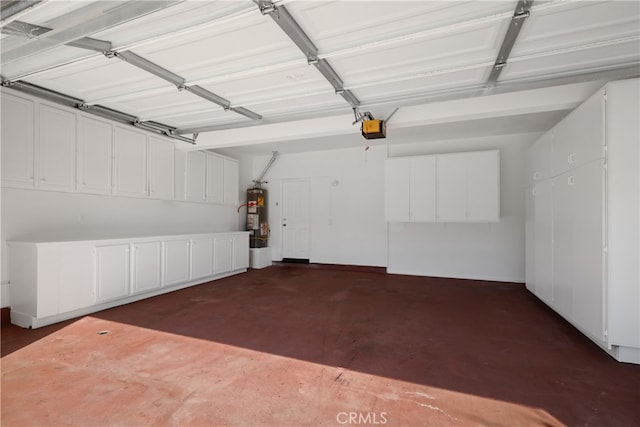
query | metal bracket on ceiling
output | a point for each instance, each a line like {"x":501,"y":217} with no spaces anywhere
{"x":297,"y":35}
{"x":520,"y":14}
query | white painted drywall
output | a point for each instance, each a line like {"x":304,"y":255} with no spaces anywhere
{"x":44,"y":213}
{"x":347,"y":205}
{"x":474,"y":251}
{"x":348,"y":225}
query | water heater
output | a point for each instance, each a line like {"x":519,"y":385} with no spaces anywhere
{"x":257,"y":217}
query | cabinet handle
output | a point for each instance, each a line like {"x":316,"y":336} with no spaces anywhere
{"x":43,"y":180}
{"x":571,"y":158}
{"x":571,"y":180}
{"x":536,"y":176}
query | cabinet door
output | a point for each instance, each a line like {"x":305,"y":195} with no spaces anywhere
{"x":422,"y":188}
{"x":241,"y":252}
{"x":161,"y":168}
{"x":95,"y":153}
{"x":483,"y":186}
{"x":146,"y":272}
{"x":543,"y":241}
{"x":201,"y":257}
{"x":538,"y":164}
{"x":451,"y":188}
{"x":215,"y":179}
{"x":17,"y":137}
{"x":231,"y":184}
{"x":564,"y":199}
{"x":587,"y":250}
{"x":176,"y":262}
{"x":57,"y":146}
{"x":130,"y":163}
{"x":397,"y":189}
{"x":112,"y":272}
{"x":223,"y":254}
{"x":196,"y":176}
{"x":530,"y":236}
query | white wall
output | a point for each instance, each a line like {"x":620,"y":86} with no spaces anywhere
{"x":47,"y":213}
{"x":477,"y":251}
{"x":348,"y":225}
{"x":347,"y":210}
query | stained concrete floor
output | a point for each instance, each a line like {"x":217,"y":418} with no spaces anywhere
{"x":295,"y":346}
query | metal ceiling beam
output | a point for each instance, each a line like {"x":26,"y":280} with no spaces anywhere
{"x":149,"y":67}
{"x":12,"y":10}
{"x":520,"y":14}
{"x":98,"y":110}
{"x":75,"y":25}
{"x":604,"y":74}
{"x":285,"y":21}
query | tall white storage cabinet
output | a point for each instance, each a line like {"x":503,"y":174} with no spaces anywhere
{"x":583,"y":219}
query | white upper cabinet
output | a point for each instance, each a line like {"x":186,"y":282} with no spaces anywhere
{"x":451,"y":188}
{"x":17,"y":137}
{"x":397,"y":189}
{"x":130,"y":171}
{"x":483,"y":184}
{"x":456,"y":187}
{"x":578,"y":141}
{"x":231,"y":182}
{"x":57,"y":159}
{"x":95,"y":155}
{"x":161,"y":168}
{"x":538,"y":161}
{"x":196,"y":176}
{"x":215,"y":178}
{"x":422,"y":188}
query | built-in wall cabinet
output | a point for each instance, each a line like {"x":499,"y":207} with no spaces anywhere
{"x":583,"y":219}
{"x":46,"y":146}
{"x":452,"y":187}
{"x":55,"y":281}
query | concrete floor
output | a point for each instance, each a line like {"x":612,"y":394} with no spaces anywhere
{"x":300,"y":346}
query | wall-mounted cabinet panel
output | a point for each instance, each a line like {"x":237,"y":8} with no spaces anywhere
{"x":231,"y":182}
{"x":422,"y":188}
{"x":483,"y":184}
{"x":57,"y":149}
{"x":223,"y":250}
{"x":578,"y":141}
{"x":456,"y":187}
{"x":543,"y":240}
{"x":201,"y":257}
{"x":112,"y":271}
{"x":95,"y":155}
{"x":451,"y":188}
{"x":176,"y":261}
{"x":161,"y":168}
{"x":146,"y":269}
{"x":17,"y":137}
{"x":130,"y":171}
{"x":538,"y":161}
{"x":241,"y":251}
{"x":215,"y":179}
{"x":196,"y":176}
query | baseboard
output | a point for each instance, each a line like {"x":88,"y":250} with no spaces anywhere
{"x":340,"y":267}
{"x":518,"y":280}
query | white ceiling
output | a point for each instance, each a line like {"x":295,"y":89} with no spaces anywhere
{"x":388,"y":53}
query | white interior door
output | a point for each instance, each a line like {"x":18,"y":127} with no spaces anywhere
{"x":296,"y":219}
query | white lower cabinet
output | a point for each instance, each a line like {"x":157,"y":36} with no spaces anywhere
{"x":176,"y":261}
{"x":202,"y":257}
{"x":146,"y":271}
{"x":112,"y":271}
{"x":55,"y":281}
{"x":223,"y":248}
